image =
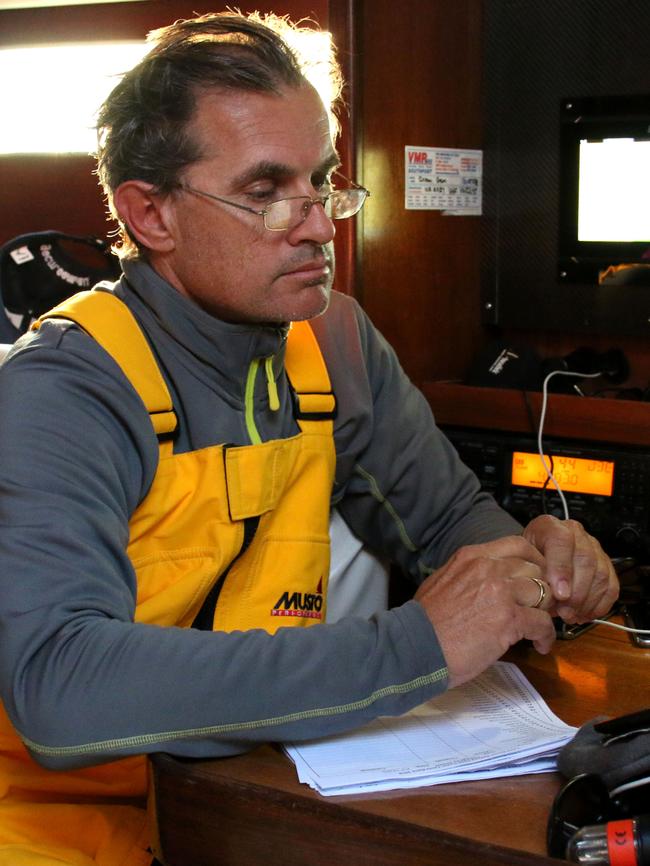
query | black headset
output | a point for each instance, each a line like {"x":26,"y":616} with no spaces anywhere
{"x":40,"y":269}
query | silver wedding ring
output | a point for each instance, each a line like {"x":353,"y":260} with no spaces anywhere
{"x":542,"y":591}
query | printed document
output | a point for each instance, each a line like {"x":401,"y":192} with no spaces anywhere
{"x":495,"y":725}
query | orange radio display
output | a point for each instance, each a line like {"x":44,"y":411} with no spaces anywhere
{"x":573,"y":474}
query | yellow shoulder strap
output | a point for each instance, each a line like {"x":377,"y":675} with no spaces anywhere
{"x":109,"y":321}
{"x":308,"y":375}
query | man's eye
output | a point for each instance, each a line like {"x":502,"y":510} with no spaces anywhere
{"x":261,"y":195}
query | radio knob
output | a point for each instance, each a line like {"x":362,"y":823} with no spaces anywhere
{"x":628,"y":534}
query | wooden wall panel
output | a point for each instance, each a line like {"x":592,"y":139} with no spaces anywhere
{"x":419,"y":83}
{"x":50,"y":192}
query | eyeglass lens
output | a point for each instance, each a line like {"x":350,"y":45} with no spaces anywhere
{"x":347,"y":202}
{"x":291,"y":211}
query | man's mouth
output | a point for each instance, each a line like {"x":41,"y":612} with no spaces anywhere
{"x":310,"y":268}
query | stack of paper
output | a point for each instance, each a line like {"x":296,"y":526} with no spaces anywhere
{"x":495,"y":725}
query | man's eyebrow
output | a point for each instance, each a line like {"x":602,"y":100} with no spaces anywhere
{"x":278,"y":171}
{"x":262,"y":171}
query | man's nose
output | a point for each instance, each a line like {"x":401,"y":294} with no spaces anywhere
{"x":316,"y":226}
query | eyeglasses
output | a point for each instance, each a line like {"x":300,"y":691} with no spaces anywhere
{"x":287,"y":213}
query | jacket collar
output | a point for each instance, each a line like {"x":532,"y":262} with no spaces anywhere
{"x":225,"y":347}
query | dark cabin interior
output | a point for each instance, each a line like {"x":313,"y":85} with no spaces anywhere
{"x":451,"y":293}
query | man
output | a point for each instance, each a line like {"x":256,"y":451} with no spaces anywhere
{"x":186,"y":477}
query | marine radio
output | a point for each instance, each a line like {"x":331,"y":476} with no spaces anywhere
{"x":607,"y":488}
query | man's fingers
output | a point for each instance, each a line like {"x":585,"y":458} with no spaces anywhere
{"x":581,"y":576}
{"x":539,"y":629}
{"x":603,"y":592}
{"x":585,"y":562}
{"x":556,"y":541}
{"x":528,"y":586}
{"x":480,"y":603}
{"x":531,"y":591}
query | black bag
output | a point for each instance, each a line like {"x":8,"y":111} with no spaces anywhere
{"x":607,"y":764}
{"x":618,"y":750}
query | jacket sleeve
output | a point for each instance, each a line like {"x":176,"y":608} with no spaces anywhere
{"x":401,"y":485}
{"x":80,"y":680}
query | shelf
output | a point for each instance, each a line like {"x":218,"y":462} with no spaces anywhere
{"x":594,"y":419}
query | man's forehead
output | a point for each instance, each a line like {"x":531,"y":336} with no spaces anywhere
{"x":265,"y":129}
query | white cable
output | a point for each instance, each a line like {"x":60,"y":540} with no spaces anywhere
{"x":552,"y":478}
{"x":547,"y":467}
{"x":627,"y":786}
{"x":621,"y":627}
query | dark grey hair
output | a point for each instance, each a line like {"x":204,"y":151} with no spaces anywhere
{"x":143,"y":124}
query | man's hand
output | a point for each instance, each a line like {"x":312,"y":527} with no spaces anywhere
{"x":581,"y":576}
{"x":486,"y":598}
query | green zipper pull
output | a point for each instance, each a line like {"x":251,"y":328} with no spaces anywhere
{"x":274,"y":400}
{"x":249,"y":402}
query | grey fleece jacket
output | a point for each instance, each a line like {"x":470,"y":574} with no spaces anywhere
{"x":82,"y":682}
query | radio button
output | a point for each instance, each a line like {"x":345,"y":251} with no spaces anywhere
{"x":628,"y":534}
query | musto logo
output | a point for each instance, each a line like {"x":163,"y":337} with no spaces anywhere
{"x":303,"y":604}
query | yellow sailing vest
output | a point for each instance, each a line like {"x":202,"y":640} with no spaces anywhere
{"x":193,"y":529}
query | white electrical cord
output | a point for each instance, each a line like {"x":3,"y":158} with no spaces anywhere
{"x":621,"y":627}
{"x":628,"y":786}
{"x":547,"y":467}
{"x":551,"y":477}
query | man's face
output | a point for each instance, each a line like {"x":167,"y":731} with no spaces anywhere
{"x":256,"y":148}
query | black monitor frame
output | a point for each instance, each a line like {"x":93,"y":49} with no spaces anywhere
{"x":594,"y":118}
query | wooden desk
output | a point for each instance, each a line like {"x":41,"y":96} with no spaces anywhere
{"x":251,"y":809}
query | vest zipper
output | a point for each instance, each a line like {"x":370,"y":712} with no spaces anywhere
{"x":204,"y":619}
{"x":249,"y":395}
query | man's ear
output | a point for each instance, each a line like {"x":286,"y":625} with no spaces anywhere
{"x":146,"y":213}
